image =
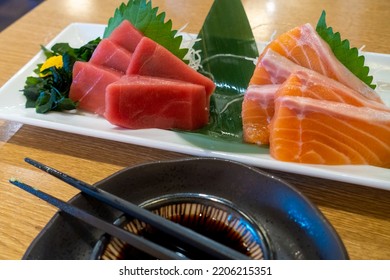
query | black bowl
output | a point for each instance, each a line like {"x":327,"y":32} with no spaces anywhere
{"x":290,"y":225}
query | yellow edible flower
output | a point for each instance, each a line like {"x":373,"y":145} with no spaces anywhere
{"x":55,"y":61}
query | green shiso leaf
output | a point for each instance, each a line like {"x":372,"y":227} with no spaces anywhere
{"x":345,"y":54}
{"x":145,"y":18}
{"x":228,"y":51}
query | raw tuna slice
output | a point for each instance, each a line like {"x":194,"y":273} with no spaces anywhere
{"x":152,"y":59}
{"x":126,"y":36}
{"x":111,"y":55}
{"x":307,"y":130}
{"x":305,"y":47}
{"x":89,"y":86}
{"x":148,"y":102}
{"x":257,"y":112}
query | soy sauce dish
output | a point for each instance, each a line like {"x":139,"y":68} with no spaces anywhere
{"x":240,"y":206}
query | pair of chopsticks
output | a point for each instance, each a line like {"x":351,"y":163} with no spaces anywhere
{"x":196,"y":240}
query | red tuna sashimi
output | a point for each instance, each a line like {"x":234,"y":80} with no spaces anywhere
{"x":111,"y":55}
{"x":89,"y":86}
{"x":307,"y":130}
{"x":257,"y":112}
{"x":152,"y":59}
{"x":126,"y":36}
{"x":304,"y":46}
{"x":148,"y":102}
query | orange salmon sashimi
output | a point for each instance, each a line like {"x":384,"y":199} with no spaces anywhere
{"x":258,"y":104}
{"x":314,"y":85}
{"x":306,"y":130}
{"x":303,"y":46}
{"x":257,"y":112}
{"x":273,"y":68}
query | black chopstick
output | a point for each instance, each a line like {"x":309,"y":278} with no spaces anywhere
{"x":213,"y":248}
{"x":138,"y":242}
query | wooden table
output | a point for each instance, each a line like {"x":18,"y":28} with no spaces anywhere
{"x":361,"y":215}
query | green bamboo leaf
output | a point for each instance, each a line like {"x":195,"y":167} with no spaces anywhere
{"x":228,"y":50}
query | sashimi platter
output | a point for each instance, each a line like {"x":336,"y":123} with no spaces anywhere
{"x":305,"y":102}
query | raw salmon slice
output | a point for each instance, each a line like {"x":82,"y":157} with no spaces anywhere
{"x":303,"y":46}
{"x":89,"y":86}
{"x":258,"y":104}
{"x":111,"y":55}
{"x":149,"y":102}
{"x":152,"y":59}
{"x":273,"y":68}
{"x":314,"y":85}
{"x":307,"y":130}
{"x":257,"y":112}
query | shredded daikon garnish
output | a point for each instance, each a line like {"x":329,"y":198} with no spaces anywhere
{"x":188,"y":41}
{"x":194,"y":58}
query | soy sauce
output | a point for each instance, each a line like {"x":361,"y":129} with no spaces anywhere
{"x":217,"y":224}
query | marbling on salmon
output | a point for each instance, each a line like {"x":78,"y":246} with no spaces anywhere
{"x":313,"y":85}
{"x":299,"y":63}
{"x":273,"y":68}
{"x":258,"y":104}
{"x":303,"y":46}
{"x":257,"y":112}
{"x":308,"y":130}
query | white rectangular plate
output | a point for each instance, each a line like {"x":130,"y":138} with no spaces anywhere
{"x":12,"y":107}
